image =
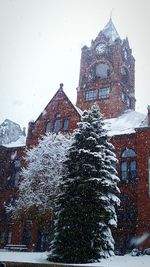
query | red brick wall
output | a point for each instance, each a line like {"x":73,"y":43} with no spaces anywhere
{"x":143,"y":197}
{"x":113,"y":56}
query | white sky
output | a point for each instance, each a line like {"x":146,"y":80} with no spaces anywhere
{"x":40,"y":47}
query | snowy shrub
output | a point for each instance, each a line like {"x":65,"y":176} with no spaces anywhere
{"x":135,"y":252}
{"x":42,"y":174}
{"x":146,"y":251}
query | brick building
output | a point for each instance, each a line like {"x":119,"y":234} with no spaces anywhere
{"x":107,"y":76}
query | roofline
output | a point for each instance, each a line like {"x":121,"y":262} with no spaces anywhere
{"x":52,"y":100}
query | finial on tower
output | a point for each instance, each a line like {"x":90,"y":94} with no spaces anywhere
{"x":61,"y":86}
{"x":111,"y":12}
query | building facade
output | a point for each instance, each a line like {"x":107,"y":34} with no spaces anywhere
{"x":107,"y":77}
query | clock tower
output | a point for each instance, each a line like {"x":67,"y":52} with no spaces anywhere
{"x":107,"y":74}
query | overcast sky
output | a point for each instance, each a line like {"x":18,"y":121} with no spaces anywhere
{"x":40,"y":47}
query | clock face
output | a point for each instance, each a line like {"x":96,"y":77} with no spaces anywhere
{"x":100,"y":48}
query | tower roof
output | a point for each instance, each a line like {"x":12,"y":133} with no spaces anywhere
{"x":110,"y":31}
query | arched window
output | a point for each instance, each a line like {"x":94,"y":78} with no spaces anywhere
{"x":57,"y":123}
{"x":48,"y":127}
{"x":66,"y":124}
{"x":128,"y":153}
{"x":102,"y":70}
{"x":128,"y":165}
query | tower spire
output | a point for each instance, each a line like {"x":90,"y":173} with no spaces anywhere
{"x":110,"y":31}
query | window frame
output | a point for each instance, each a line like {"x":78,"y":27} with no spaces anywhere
{"x":48,"y":127}
{"x":128,"y":158}
{"x":90,"y":95}
{"x":66,"y":124}
{"x":104,"y":93}
{"x":57,"y":123}
{"x":105,"y":74}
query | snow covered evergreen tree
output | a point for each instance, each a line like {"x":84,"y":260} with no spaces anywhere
{"x":85,"y":206}
{"x":41,"y":175}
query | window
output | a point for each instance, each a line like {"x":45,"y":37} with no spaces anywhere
{"x":126,"y":212}
{"x":126,"y":99}
{"x":123,"y":97}
{"x":123,"y":170}
{"x":2,"y":237}
{"x":66,"y":124}
{"x":125,"y":53}
{"x":9,"y":237}
{"x":57,"y":123}
{"x":124,"y":75}
{"x":17,"y":165}
{"x":128,"y":152}
{"x":91,"y":74}
{"x":90,"y":95}
{"x":102,"y":70}
{"x":15,"y":172}
{"x":128,"y":102}
{"x":128,"y":165}
{"x":104,"y":93}
{"x":27,"y":236}
{"x":48,"y":127}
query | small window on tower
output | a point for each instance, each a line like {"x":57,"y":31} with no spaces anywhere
{"x":125,"y":53}
{"x":90,"y":95}
{"x":104,"y":93}
{"x":124,"y":75}
{"x":128,"y":102}
{"x":123,"y":97}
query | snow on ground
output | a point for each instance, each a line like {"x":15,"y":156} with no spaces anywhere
{"x":34,"y":257}
{"x":40,"y":257}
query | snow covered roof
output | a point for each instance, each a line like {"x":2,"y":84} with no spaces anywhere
{"x":19,"y":143}
{"x":125,"y":123}
{"x":110,"y":31}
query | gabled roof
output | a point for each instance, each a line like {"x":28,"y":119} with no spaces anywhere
{"x":52,"y":99}
{"x":110,"y":31}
